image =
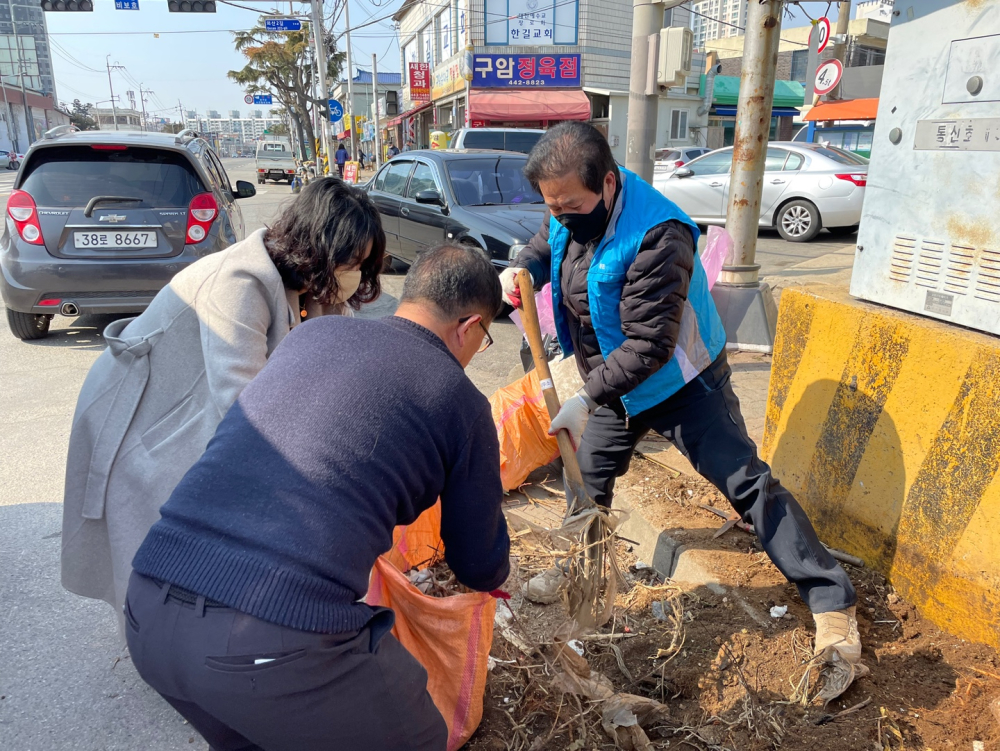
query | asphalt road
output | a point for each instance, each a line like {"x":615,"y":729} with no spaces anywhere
{"x":66,"y":684}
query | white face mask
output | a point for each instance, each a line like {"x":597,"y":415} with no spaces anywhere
{"x":347,"y":284}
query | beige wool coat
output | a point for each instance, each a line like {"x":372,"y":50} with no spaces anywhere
{"x":154,"y":398}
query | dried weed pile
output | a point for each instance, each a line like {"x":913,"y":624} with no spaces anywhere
{"x":708,"y":669}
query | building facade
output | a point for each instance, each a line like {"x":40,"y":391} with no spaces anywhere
{"x":717,"y":19}
{"x":242,"y":129}
{"x":127,"y":119}
{"x":20,"y":126}
{"x":386,"y":95}
{"x":529,"y":63}
{"x":24,"y":47}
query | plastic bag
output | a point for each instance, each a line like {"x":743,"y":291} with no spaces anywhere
{"x":546,"y":319}
{"x":522,"y":429}
{"x":450,"y":636}
{"x":714,"y":256}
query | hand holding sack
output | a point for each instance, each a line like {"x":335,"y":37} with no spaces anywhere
{"x":450,"y":636}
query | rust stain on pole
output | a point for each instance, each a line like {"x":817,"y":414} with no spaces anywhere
{"x":753,"y":121}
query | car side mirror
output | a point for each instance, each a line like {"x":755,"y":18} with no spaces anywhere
{"x":429,"y":196}
{"x":683,"y":172}
{"x":244,"y":189}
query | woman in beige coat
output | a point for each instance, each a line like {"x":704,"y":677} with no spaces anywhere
{"x":153,"y":399}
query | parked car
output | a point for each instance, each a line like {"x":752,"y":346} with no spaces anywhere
{"x":500,"y":139}
{"x":667,"y":160}
{"x":476,"y":197}
{"x":9,"y":159}
{"x":100,"y":221}
{"x":806,"y":187}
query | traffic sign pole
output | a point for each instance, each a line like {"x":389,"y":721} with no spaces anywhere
{"x":318,"y":32}
{"x":350,"y":80}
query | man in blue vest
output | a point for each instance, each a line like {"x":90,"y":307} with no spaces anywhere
{"x":631,"y":302}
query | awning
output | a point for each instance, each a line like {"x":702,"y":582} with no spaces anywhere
{"x":849,"y":109}
{"x":409,"y":113}
{"x":727,"y":91}
{"x":535,"y":104}
{"x":727,"y":110}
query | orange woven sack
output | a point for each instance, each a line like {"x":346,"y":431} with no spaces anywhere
{"x":523,"y":429}
{"x":450,"y":636}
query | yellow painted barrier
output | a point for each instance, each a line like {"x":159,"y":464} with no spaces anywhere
{"x":886,"y":427}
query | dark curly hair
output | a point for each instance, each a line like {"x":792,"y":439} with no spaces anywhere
{"x":328,"y":226}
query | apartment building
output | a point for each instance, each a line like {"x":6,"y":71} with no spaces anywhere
{"x":717,"y":19}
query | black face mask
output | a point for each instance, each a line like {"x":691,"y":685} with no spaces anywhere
{"x":585,"y":228}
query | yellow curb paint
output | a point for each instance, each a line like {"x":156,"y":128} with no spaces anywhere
{"x":886,"y":427}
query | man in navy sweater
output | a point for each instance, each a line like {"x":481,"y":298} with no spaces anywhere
{"x":244,"y":609}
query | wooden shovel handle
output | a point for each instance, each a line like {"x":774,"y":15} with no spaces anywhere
{"x":533,"y":330}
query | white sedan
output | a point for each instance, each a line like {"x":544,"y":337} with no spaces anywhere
{"x":807,"y":186}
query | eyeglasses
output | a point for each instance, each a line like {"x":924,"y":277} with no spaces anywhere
{"x":487,"y":339}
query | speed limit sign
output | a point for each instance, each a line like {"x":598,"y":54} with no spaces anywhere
{"x":822,"y":28}
{"x":828,"y":76}
{"x":248,"y":99}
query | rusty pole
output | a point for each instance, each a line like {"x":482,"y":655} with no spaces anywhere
{"x":840,"y":48}
{"x":753,"y":125}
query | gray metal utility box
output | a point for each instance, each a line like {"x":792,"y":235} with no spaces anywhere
{"x":929,"y":240}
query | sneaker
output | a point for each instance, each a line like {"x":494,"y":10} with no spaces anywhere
{"x":839,"y":629}
{"x":544,"y":588}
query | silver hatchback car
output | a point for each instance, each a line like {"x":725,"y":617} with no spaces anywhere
{"x":806,"y":187}
{"x":99,"y":221}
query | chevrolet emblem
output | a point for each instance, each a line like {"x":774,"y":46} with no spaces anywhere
{"x":113,"y":218}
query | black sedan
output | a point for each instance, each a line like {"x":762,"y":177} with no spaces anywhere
{"x":476,"y":197}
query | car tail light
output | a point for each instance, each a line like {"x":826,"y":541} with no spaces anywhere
{"x":201,"y":213}
{"x":108,"y":147}
{"x":679,"y":163}
{"x":21,"y":208}
{"x":262,"y":170}
{"x":858,"y":178}
{"x":50,"y":301}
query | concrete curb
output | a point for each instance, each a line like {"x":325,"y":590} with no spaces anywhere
{"x":675,"y":561}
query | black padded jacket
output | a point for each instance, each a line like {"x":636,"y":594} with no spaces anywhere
{"x":651,"y":306}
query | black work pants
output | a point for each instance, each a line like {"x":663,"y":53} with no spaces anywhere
{"x":703,"y":421}
{"x":246,"y":684}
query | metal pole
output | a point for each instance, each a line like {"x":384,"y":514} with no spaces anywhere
{"x":350,"y":80}
{"x":324,"y":93}
{"x":840,"y":48}
{"x":643,"y":92}
{"x":753,"y":125}
{"x":142,"y":105}
{"x":114,"y":111}
{"x":378,"y":145}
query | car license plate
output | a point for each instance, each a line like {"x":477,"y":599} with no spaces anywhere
{"x":115,"y":240}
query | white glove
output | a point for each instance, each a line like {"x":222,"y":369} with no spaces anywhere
{"x":511,"y":290}
{"x":573,"y":416}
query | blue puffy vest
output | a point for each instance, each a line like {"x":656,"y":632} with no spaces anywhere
{"x":701,"y":336}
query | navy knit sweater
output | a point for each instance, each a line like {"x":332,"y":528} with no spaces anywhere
{"x":354,"y":426}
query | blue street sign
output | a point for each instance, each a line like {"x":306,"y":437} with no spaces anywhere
{"x":262,"y":99}
{"x":126,"y":4}
{"x":336,"y":110}
{"x":280,"y":24}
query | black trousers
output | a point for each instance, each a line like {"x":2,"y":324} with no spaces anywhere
{"x":703,"y":421}
{"x":246,"y":684}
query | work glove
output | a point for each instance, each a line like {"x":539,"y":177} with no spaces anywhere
{"x":573,"y":416}
{"x":508,"y":282}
